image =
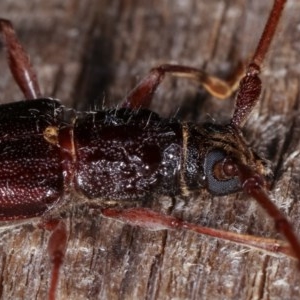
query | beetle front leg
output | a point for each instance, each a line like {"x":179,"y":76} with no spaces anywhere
{"x":19,"y":62}
{"x":152,"y":220}
{"x":141,"y":96}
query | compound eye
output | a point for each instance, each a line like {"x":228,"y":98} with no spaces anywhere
{"x":216,"y":184}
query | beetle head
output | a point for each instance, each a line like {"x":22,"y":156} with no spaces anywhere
{"x":215,"y":158}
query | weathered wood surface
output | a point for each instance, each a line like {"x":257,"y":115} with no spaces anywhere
{"x":87,"y":51}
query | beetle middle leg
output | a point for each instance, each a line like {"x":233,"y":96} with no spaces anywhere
{"x":141,"y":96}
{"x":57,"y":245}
{"x":19,"y":62}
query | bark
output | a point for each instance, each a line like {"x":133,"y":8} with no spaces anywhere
{"x":90,"y":54}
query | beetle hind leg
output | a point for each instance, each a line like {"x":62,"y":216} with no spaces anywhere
{"x":19,"y":62}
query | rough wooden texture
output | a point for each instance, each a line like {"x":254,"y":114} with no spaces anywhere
{"x":87,"y":51}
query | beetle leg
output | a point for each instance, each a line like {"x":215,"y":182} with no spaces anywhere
{"x":19,"y":62}
{"x":250,"y":85}
{"x":56,"y":248}
{"x":141,"y":96}
{"x":152,"y":220}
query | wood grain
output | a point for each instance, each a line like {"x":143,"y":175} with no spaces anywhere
{"x":89,"y":54}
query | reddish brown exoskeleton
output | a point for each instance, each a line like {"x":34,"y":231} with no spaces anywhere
{"x":122,"y":156}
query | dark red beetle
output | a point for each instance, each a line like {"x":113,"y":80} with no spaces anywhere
{"x":121,"y":157}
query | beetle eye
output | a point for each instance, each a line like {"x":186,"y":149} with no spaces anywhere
{"x":216,"y":184}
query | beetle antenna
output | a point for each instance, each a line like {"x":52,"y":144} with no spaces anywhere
{"x":254,"y":184}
